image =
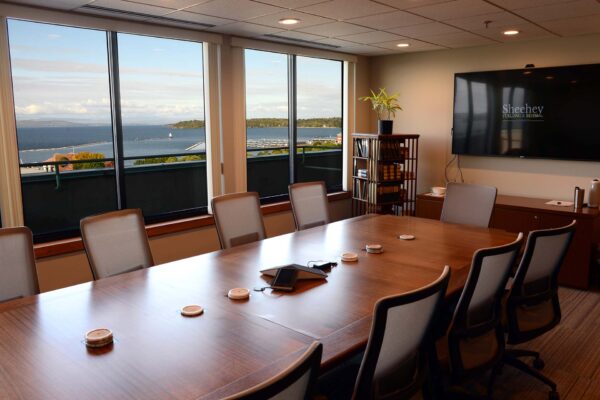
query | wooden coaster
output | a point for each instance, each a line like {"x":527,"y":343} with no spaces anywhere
{"x":98,"y":337}
{"x":374,"y":248}
{"x":192,"y":310}
{"x":238,"y":294}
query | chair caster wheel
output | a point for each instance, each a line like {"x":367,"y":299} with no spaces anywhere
{"x":539,"y":364}
{"x":553,"y":396}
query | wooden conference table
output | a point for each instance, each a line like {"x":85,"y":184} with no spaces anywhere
{"x":235,"y":344}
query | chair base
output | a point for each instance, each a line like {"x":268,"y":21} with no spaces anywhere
{"x":511,"y":357}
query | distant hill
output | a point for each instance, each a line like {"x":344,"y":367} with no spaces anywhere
{"x":332,"y":122}
{"x":49,"y":123}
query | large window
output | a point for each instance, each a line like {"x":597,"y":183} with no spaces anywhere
{"x":106,"y":121}
{"x":293,"y":122}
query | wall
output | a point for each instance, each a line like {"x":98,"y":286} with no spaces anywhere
{"x":426,"y":85}
{"x":71,"y":269}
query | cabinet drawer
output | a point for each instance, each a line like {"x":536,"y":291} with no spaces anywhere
{"x":514,"y":220}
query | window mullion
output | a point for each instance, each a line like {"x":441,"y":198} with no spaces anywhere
{"x":117,"y":125}
{"x":292,"y":116}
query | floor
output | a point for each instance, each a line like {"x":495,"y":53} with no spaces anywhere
{"x":571,"y":352}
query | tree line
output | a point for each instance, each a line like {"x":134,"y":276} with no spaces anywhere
{"x":331,"y":122}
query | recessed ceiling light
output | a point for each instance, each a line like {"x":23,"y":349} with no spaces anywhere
{"x":402,"y":45}
{"x":289,"y":21}
{"x":511,"y":32}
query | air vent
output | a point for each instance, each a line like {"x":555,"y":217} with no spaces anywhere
{"x":158,"y":19}
{"x":306,"y":42}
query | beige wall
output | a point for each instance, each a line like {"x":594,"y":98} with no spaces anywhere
{"x":426,"y":85}
{"x":71,"y":269}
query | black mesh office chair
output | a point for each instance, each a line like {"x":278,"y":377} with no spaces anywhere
{"x":475,"y":339}
{"x":395,"y":361}
{"x":532,"y":305}
{"x":297,"y":382}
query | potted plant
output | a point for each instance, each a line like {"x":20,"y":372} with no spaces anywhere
{"x":384,"y":105}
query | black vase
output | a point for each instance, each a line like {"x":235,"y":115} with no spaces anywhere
{"x":385,"y":126}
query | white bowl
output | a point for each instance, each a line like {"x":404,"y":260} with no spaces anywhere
{"x":438,"y":190}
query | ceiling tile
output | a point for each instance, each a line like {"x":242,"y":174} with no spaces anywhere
{"x":366,"y":50}
{"x":346,"y":9}
{"x":335,"y":29}
{"x":407,"y":4}
{"x":574,"y":26}
{"x":178,"y":4}
{"x":300,"y":36}
{"x":462,"y":39}
{"x":305,"y":20}
{"x":199,"y":18}
{"x":415,"y":45}
{"x":389,"y":20}
{"x":58,"y":4}
{"x":235,"y":9}
{"x":371,"y":37}
{"x":424,"y":30}
{"x":456,"y":9}
{"x":496,"y":20}
{"x":337,"y":42}
{"x":245,"y":29}
{"x":518,"y":4}
{"x":527,"y":31}
{"x":129,"y":6}
{"x":292,"y":3}
{"x":560,"y":11}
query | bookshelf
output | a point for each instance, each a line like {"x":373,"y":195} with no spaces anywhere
{"x":384,"y":173}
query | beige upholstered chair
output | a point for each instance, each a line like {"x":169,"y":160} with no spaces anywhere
{"x":475,"y":339}
{"x":532,"y":306}
{"x":468,"y":204}
{"x":116,"y":242}
{"x":395,"y":362}
{"x":238,"y":219}
{"x":18,"y":276}
{"x":297,"y":382}
{"x":309,"y":204}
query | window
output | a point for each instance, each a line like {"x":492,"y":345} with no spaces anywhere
{"x":77,"y":156}
{"x":162,"y":108}
{"x":293,"y":122}
{"x":61,"y":91}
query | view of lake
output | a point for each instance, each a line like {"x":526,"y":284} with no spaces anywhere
{"x":39,"y":144}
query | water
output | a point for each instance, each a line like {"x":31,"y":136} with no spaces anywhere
{"x":40,"y":144}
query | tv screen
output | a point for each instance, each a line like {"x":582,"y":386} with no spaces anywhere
{"x":535,"y":112}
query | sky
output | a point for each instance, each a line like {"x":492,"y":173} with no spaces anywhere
{"x":61,"y":73}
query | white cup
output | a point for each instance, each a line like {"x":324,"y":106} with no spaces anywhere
{"x":438,"y":190}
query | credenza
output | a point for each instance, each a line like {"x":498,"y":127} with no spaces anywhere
{"x":524,"y":214}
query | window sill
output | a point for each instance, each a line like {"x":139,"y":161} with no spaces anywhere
{"x":72,"y":245}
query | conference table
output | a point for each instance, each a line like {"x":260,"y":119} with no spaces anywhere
{"x":159,"y":354}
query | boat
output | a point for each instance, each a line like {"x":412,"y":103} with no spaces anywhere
{"x":170,"y":135}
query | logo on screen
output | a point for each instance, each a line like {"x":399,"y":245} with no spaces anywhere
{"x":522,"y":113}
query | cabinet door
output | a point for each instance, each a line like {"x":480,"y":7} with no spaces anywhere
{"x":514,"y":220}
{"x":431,"y":209}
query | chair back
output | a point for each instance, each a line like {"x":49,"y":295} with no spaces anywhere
{"x":395,"y":359}
{"x":309,"y":204}
{"x":468,"y":204}
{"x":476,"y":336}
{"x":532,"y":307}
{"x":116,"y":242}
{"x":238,"y":219}
{"x":18,"y":276}
{"x":297,"y":382}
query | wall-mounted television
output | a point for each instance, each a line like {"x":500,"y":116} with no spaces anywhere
{"x":533,"y":112}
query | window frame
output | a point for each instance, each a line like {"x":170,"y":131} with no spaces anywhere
{"x":8,"y":129}
{"x":292,"y":117}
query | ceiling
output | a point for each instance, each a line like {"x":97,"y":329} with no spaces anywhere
{"x":359,"y":26}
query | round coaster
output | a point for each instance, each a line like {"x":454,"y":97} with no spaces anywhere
{"x":192,"y":310}
{"x":374,"y":248}
{"x":349,"y":257}
{"x":406,"y":237}
{"x":98,"y":337}
{"x":238,"y":294}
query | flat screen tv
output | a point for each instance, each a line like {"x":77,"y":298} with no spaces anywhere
{"x":535,"y":112}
